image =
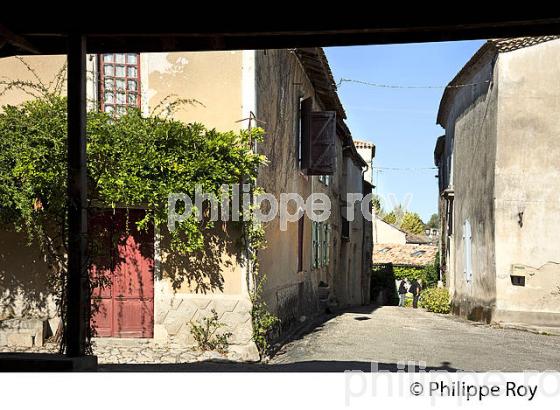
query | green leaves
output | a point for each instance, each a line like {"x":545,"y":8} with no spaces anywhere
{"x":132,"y":160}
{"x":435,"y":300}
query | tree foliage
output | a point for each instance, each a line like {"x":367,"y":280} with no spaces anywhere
{"x":407,"y":221}
{"x":433,"y":223}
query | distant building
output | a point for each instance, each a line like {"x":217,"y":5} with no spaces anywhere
{"x":384,"y":233}
{"x":367,"y":152}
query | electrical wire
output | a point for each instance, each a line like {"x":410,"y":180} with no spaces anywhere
{"x":411,"y":87}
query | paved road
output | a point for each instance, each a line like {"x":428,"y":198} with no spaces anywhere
{"x":390,"y":335}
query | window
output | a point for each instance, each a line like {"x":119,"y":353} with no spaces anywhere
{"x":316,"y":139}
{"x":119,"y":85}
{"x":321,"y":237}
{"x":517,"y":280}
{"x":467,"y":251}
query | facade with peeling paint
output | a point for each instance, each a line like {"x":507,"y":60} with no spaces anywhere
{"x":498,"y":179}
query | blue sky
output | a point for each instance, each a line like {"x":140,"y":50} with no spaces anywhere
{"x":401,"y":122}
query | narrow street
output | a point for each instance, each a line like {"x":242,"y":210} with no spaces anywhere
{"x":391,"y":338}
{"x":389,"y":335}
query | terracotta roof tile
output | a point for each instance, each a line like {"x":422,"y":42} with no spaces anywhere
{"x":404,"y":254}
{"x":363,"y":144}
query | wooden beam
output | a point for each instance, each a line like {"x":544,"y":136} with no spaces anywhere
{"x":6,"y":36}
{"x":77,"y":291}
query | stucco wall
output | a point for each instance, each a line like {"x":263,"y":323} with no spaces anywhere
{"x":386,"y":233}
{"x":27,"y":69}
{"x":212,"y":79}
{"x":470,"y":150}
{"x":281,"y":82}
{"x":528,"y":183}
{"x":353,"y":247}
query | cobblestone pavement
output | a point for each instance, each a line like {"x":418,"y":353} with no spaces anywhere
{"x":133,"y":351}
{"x":390,"y":335}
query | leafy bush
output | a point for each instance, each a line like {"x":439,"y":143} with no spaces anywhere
{"x":206,"y":336}
{"x":409,"y":272}
{"x":265,"y":323}
{"x":408,"y":300}
{"x":431,"y":273}
{"x":435,"y":300}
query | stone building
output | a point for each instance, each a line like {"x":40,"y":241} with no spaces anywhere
{"x":498,"y":183}
{"x":276,"y":89}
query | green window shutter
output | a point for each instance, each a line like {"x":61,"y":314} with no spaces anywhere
{"x":327,"y":243}
{"x":314,"y":244}
{"x":319,"y":244}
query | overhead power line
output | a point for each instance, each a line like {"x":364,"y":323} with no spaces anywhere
{"x":398,"y":86}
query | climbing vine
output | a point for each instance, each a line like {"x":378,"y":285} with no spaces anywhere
{"x":132,"y":160}
{"x":264,"y":322}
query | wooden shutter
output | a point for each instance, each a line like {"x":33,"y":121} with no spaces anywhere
{"x":317,"y":139}
{"x":305,"y":131}
{"x":321,"y":146}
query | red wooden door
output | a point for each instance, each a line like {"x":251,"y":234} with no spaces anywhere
{"x":122,"y":273}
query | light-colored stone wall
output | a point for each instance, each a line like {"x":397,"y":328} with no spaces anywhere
{"x":501,"y":141}
{"x":212,"y":79}
{"x":528,"y":184}
{"x":189,"y":288}
{"x":281,"y":82}
{"x":29,"y":69}
{"x":351,"y":274}
{"x":387,"y":233}
{"x":470,"y":152}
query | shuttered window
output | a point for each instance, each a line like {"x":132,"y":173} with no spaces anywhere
{"x":317,"y":140}
{"x":321,"y":239}
{"x":326,"y":243}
